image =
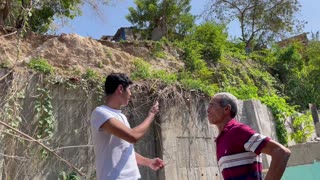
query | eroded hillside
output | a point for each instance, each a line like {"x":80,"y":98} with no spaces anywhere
{"x":71,"y":54}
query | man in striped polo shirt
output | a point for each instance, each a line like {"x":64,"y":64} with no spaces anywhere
{"x":239,"y":146}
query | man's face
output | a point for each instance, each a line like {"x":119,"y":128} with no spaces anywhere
{"x":126,"y":94}
{"x":216,"y":113}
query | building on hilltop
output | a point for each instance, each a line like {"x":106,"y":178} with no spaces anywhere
{"x":301,"y":38}
{"x":132,"y":33}
{"x":128,"y":34}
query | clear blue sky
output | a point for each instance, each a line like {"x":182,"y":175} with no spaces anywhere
{"x":113,"y":17}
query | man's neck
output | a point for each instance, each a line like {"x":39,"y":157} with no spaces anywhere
{"x":221,"y":125}
{"x":113,"y":103}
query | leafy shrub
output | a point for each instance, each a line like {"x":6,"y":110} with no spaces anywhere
{"x":303,"y":128}
{"x":198,"y":84}
{"x":244,"y":91}
{"x":289,"y":62}
{"x":168,"y":78}
{"x":142,"y":69}
{"x":90,"y":74}
{"x":213,"y":38}
{"x":157,"y":49}
{"x":193,"y":61}
{"x":71,"y":176}
{"x":41,"y":65}
{"x":280,"y":110}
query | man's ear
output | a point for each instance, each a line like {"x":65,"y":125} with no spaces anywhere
{"x":227,"y":108}
{"x":120,"y":89}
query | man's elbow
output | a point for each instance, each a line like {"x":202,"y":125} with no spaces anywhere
{"x":286,"y":152}
{"x":134,"y":137}
{"x":282,"y":153}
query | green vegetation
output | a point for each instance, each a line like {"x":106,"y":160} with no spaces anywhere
{"x":282,"y":78}
{"x":71,"y":176}
{"x":281,"y":110}
{"x":286,"y":79}
{"x":5,"y":64}
{"x":172,"y":16}
{"x":143,"y":70}
{"x":260,"y":21}
{"x":41,"y":65}
{"x":44,"y":113}
{"x":303,"y":128}
{"x":157,"y":50}
{"x":38,"y":16}
{"x":213,"y":39}
{"x":90,"y":74}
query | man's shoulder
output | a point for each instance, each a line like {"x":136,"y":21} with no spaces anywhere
{"x":101,"y":109}
{"x":239,"y":126}
{"x":100,"y":112}
{"x":241,"y":130}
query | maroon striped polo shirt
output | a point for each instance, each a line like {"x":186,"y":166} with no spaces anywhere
{"x":238,"y":149}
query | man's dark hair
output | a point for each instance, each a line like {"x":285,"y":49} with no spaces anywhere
{"x":114,"y":80}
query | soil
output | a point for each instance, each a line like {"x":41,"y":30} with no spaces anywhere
{"x":72,"y":54}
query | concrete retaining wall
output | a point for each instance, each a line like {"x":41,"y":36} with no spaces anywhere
{"x":181,"y":134}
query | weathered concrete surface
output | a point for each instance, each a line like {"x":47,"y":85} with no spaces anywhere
{"x":188,"y":140}
{"x":3,"y":89}
{"x":181,"y":134}
{"x":71,"y":137}
{"x":71,"y":111}
{"x":259,"y":118}
{"x":305,"y":153}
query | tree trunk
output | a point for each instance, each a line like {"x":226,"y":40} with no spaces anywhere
{"x":4,"y":11}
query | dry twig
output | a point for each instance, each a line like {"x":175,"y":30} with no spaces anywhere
{"x":44,"y":146}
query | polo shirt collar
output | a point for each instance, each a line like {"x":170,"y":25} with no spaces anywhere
{"x":229,"y":125}
{"x":226,"y":128}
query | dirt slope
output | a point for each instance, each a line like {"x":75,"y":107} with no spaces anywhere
{"x":73,"y":54}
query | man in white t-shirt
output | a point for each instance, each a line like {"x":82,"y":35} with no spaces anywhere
{"x":112,"y":136}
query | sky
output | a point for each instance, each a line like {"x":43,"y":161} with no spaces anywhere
{"x":112,"y":17}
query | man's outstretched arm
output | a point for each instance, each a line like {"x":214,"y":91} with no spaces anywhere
{"x":120,"y":130}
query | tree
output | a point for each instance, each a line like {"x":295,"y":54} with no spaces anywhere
{"x":4,"y":10}
{"x":260,"y":20}
{"x":213,"y":37}
{"x":169,"y":17}
{"x":37,"y":16}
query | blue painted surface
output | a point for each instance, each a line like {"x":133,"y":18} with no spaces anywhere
{"x":303,"y":172}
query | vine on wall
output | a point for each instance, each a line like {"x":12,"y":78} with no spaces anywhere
{"x":44,"y":113}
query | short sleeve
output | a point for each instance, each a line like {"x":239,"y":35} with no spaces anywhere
{"x":253,"y":141}
{"x":99,"y":117}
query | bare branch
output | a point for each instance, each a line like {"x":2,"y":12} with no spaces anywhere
{"x":44,"y":146}
{"x":5,"y":35}
{"x":69,"y":147}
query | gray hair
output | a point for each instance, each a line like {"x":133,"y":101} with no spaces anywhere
{"x":227,"y":98}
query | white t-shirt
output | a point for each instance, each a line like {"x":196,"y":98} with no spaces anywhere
{"x":115,"y":157}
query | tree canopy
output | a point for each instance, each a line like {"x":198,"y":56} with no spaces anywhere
{"x":171,"y":17}
{"x":37,"y":16}
{"x":259,"y":20}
